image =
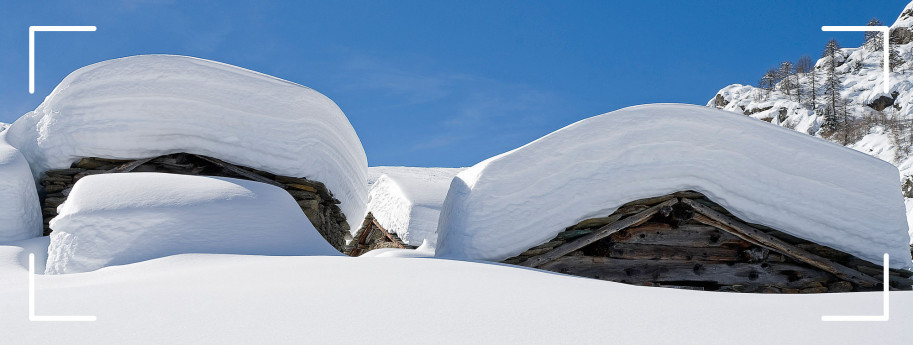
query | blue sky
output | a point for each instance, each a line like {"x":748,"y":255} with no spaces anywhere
{"x":444,"y":83}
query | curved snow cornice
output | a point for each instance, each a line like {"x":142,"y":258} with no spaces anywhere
{"x":151,"y":105}
{"x":762,"y":173}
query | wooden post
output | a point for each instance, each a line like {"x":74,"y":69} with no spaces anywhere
{"x":751,"y":234}
{"x":597,"y":235}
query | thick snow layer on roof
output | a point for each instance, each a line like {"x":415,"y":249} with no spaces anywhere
{"x":20,"y":212}
{"x":115,"y":219}
{"x":150,"y":105}
{"x":407,"y":200}
{"x":763,"y":174}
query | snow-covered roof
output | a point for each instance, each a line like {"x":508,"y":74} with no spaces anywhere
{"x":20,"y":215}
{"x":151,"y":105}
{"x":116,"y":219}
{"x":407,"y":200}
{"x":763,"y":174}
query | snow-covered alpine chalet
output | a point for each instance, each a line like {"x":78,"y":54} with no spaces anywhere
{"x":685,"y":196}
{"x":176,"y":114}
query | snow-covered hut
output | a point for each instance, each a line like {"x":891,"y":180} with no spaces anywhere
{"x":403,"y":208}
{"x":688,"y":196}
{"x":187,"y":115}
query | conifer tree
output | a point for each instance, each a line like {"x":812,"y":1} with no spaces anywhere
{"x":873,"y":38}
{"x":785,"y":75}
{"x":832,"y":86}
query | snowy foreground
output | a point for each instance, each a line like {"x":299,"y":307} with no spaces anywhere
{"x":218,"y":299}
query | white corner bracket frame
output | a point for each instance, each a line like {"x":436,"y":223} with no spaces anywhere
{"x":32,"y":30}
{"x":885,"y":35}
{"x":32,"y":316}
{"x":885,"y":311}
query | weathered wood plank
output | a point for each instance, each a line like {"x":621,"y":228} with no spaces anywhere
{"x":128,"y":167}
{"x":601,"y":233}
{"x":700,"y":218}
{"x":900,"y":282}
{"x":686,"y":235}
{"x":747,"y":232}
{"x":660,"y":271}
{"x":387,"y":234}
{"x":240,"y":171}
{"x":633,"y":251}
{"x":655,"y":200}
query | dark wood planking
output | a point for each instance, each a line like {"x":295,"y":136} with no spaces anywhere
{"x":659,"y":271}
{"x":686,"y":235}
{"x":662,"y":252}
{"x":601,"y":233}
{"x":754,"y":235}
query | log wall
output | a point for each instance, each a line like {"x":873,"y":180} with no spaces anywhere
{"x":678,"y":247}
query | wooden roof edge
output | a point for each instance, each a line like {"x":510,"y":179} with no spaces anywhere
{"x":755,"y":236}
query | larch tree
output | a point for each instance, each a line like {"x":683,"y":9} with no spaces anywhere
{"x":785,"y":75}
{"x":832,"y":86}
{"x":873,"y":38}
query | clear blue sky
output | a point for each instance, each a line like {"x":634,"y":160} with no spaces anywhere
{"x":435,"y":83}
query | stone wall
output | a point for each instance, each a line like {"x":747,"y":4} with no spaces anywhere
{"x":315,"y":200}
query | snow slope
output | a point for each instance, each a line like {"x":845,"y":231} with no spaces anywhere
{"x":20,"y":213}
{"x":116,"y":219}
{"x":234,"y":299}
{"x":150,"y":105}
{"x":763,"y":174}
{"x":407,"y":200}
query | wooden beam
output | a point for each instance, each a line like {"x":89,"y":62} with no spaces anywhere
{"x":677,"y":271}
{"x":240,"y":171}
{"x":634,"y":251}
{"x":686,"y":235}
{"x":128,"y":167}
{"x":768,"y":241}
{"x":387,"y":234}
{"x":597,"y":235}
{"x":700,"y":218}
{"x":359,"y":242}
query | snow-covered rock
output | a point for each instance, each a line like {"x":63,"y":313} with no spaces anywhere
{"x":407,"y":200}
{"x":151,"y":105}
{"x":20,"y":212}
{"x":3,"y":126}
{"x":116,"y":219}
{"x":763,"y":174}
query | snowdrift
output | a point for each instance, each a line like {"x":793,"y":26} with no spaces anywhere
{"x":151,"y":105}
{"x":116,"y":219}
{"x":763,"y":174}
{"x":407,"y":200}
{"x":20,"y":216}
